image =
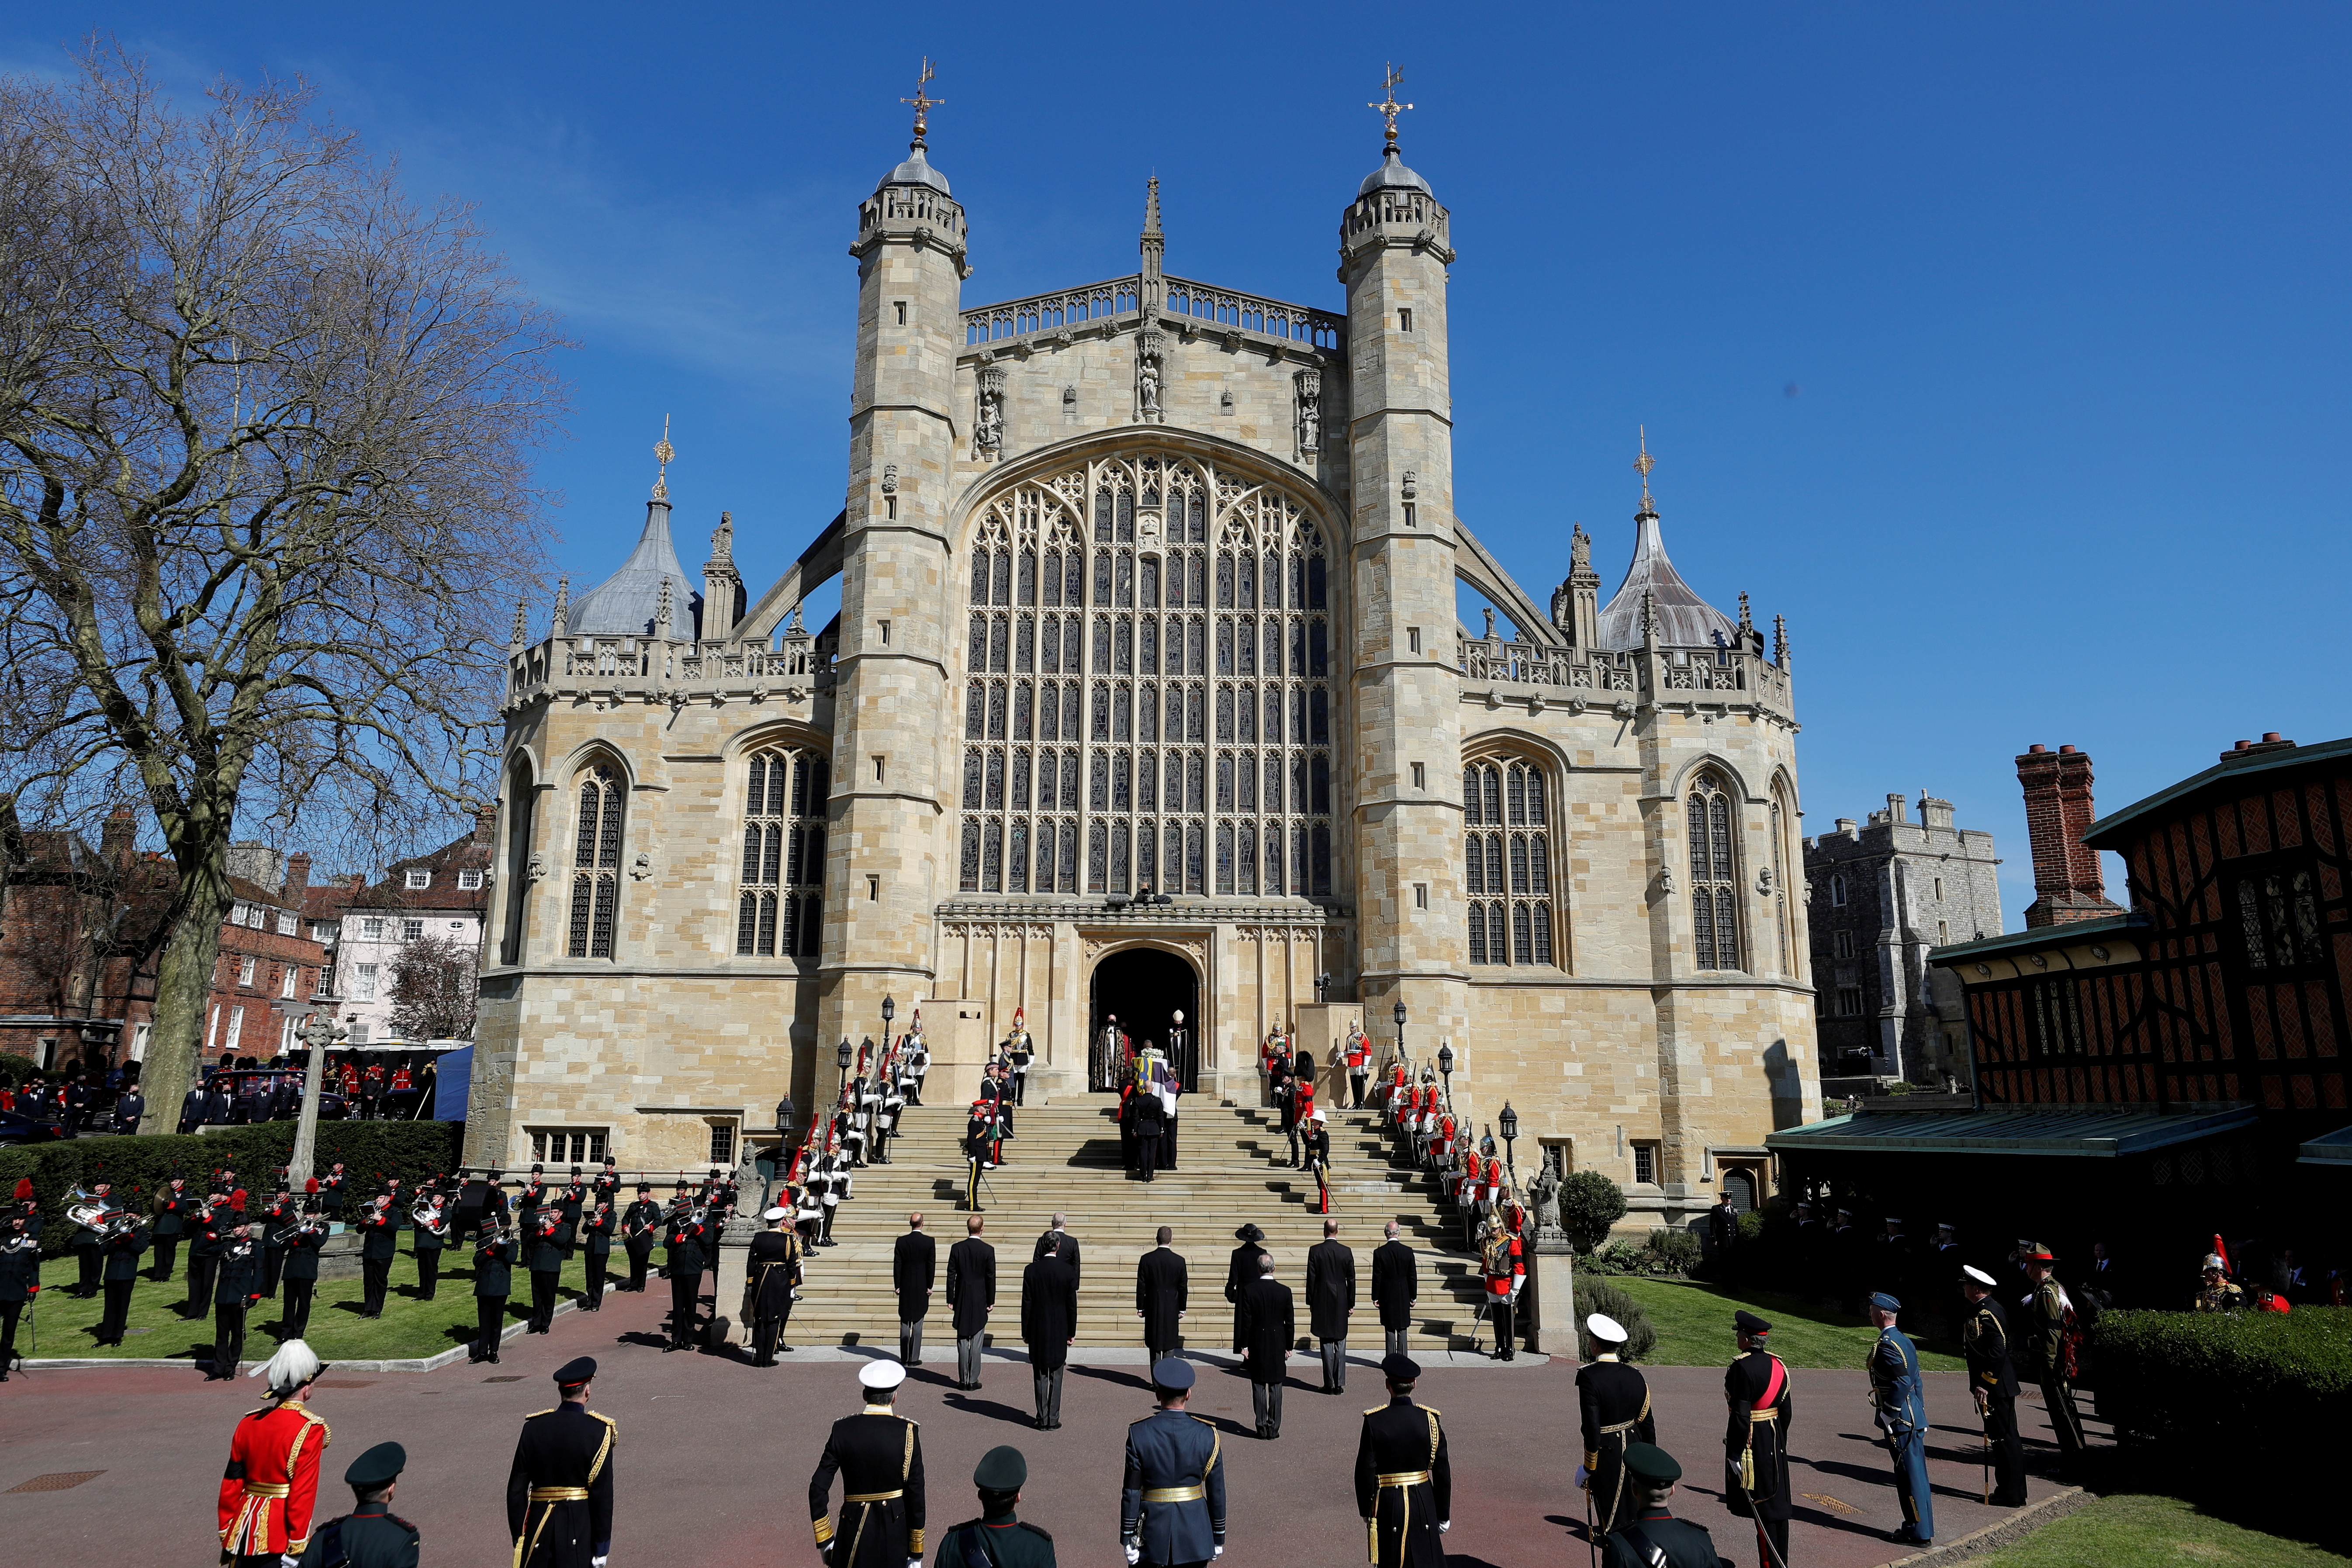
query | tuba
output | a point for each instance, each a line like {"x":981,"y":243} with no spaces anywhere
{"x":91,"y":1212}
{"x":421,"y":1216}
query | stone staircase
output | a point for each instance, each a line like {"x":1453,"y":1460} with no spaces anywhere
{"x":1065,"y":1159}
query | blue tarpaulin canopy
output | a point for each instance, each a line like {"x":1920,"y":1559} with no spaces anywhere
{"x":453,"y":1079}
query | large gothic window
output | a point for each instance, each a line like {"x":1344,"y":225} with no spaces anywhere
{"x":781,"y":890}
{"x":1148,"y":694}
{"x":1715,"y":891}
{"x":596,"y":863}
{"x":1507,"y":862}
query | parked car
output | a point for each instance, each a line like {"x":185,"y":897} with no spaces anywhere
{"x":16,"y":1127}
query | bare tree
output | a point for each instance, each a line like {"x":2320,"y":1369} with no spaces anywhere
{"x":263,"y":489}
{"x":434,"y":981}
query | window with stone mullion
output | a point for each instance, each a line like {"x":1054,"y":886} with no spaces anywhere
{"x":596,"y":864}
{"x":1713,"y":901}
{"x":1506,"y":863}
{"x":780,"y":890}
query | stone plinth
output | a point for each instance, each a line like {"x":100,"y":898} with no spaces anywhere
{"x":1323,"y":1029}
{"x":958,"y":1033}
{"x":728,"y":1297}
{"x":1549,"y":1314}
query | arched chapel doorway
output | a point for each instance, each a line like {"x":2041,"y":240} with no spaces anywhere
{"x":1145,"y":987}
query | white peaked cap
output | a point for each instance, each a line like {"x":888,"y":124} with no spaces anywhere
{"x":881,"y":1375}
{"x":1980,"y":1276}
{"x":1603,"y":1327}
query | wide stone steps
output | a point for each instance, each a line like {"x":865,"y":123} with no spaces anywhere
{"x":1065,"y":1159}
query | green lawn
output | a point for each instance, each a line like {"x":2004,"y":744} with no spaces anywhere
{"x":2133,"y":1530}
{"x":409,"y":1327}
{"x":1694,"y":1325}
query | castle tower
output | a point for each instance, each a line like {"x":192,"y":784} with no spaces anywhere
{"x":882,"y":876}
{"x":1407,"y":696}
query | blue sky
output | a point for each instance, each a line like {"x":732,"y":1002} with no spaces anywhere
{"x":2002,"y":348}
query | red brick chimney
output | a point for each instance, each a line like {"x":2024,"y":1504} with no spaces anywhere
{"x":485,"y":825}
{"x":2067,"y":883}
{"x":298,"y":877}
{"x":117,"y":837}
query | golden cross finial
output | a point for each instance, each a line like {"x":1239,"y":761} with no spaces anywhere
{"x":1389,"y":108}
{"x":1643,"y":464}
{"x":923,"y":103}
{"x":663,"y":453}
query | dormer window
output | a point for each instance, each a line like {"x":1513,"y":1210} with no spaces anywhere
{"x":420,"y":879}
{"x":469,"y":880}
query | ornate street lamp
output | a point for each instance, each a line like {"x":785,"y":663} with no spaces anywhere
{"x":1510,"y":1123}
{"x":1445,"y":1072}
{"x":841,"y":1056}
{"x":1322,"y":984}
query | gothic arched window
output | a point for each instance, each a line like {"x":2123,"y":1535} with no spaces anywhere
{"x":781,"y":890}
{"x":1715,"y":891}
{"x":1148,"y":687}
{"x":1507,"y":862}
{"x":596,"y":863}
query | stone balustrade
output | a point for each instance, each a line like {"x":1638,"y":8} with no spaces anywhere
{"x":657,"y":669}
{"x":1733,"y":676}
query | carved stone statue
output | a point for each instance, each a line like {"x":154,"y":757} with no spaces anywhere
{"x":1147,"y":379}
{"x":1543,"y":1194}
{"x":988,"y":422}
{"x":1309,"y":385}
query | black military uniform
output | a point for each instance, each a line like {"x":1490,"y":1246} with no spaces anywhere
{"x":549,"y":1237}
{"x":998,"y":1537}
{"x":684,"y":1242}
{"x":878,"y":1454}
{"x":1656,"y":1539}
{"x":595,"y":1233}
{"x":771,"y":1270}
{"x":379,"y":1244}
{"x":300,"y":1275}
{"x":560,"y":1491}
{"x":1615,"y":1401}
{"x":371,"y":1535}
{"x":121,"y":1270}
{"x":90,"y":1249}
{"x":236,"y":1286}
{"x":20,"y":1280}
{"x":640,"y":1223}
{"x":1404,"y":1477}
{"x":494,"y":1260}
{"x":280,"y":1214}
{"x":428,"y":1246}
{"x":1992,"y":1379}
{"x":1755,"y":1440}
{"x":173,"y":1205}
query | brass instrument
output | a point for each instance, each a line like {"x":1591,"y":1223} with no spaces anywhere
{"x":301,"y":1226}
{"x":91,"y":1212}
{"x":421,"y":1216}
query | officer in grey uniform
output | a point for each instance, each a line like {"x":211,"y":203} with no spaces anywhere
{"x":1171,"y":1511}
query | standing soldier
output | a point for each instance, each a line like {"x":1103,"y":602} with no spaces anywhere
{"x":1357,"y":1053}
{"x":1614,"y":1401}
{"x":1161,"y":1292}
{"x":770,"y":1272}
{"x":544,"y":1238}
{"x":173,"y":1205}
{"x":379,"y":1240}
{"x":999,"y":1537}
{"x":1172,"y":1503}
{"x":118,"y":1273}
{"x":1396,"y":1284}
{"x":1756,"y":1439}
{"x":560,"y":1490}
{"x":1318,"y":1158}
{"x":371,"y":1535}
{"x":275,"y":1219}
{"x":2050,"y":1350}
{"x":878,"y":1454}
{"x":432,"y":1240}
{"x":331,"y":1192}
{"x":20,"y":1274}
{"x":683,"y":1242}
{"x":1648,"y":1535}
{"x":914,"y":1271}
{"x":90,"y":1246}
{"x":494,"y":1259}
{"x":269,"y":1492}
{"x":596,"y":1233}
{"x":638,"y":1227}
{"x":301,"y":1274}
{"x":972,"y":1292}
{"x":1404,"y":1477}
{"x":1505,"y":1270}
{"x":1993,"y":1382}
{"x":237,"y":1286}
{"x":1901,"y":1396}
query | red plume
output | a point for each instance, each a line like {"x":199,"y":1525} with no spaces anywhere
{"x":2223,"y":1252}
{"x":312,"y":1186}
{"x":24,"y":1188}
{"x":236,"y":1200}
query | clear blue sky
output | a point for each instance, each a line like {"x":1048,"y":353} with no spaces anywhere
{"x":2002,"y":348}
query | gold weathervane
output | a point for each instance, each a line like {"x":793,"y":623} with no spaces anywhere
{"x":1389,"y":108}
{"x":1643,"y":464}
{"x":663,"y":453}
{"x":923,"y":103}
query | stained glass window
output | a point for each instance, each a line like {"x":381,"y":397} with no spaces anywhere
{"x":596,"y":864}
{"x":780,"y":890}
{"x":1506,"y":863}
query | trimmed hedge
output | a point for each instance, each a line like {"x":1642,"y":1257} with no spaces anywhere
{"x":138,"y":1167}
{"x":1594,"y":1296}
{"x":2250,"y":1392}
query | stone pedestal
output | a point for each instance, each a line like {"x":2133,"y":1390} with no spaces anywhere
{"x":958,"y":1034}
{"x":1323,"y":1029}
{"x":734,"y":1261}
{"x":1550,"y":1296}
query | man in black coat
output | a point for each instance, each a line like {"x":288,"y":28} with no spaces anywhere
{"x":130,"y":1111}
{"x":1615,"y":1401}
{"x":20,"y":1276}
{"x":1330,"y":1302}
{"x":560,"y":1487}
{"x":1396,"y":1282}
{"x":299,"y":1273}
{"x":1265,"y":1327}
{"x":770,"y":1271}
{"x":173,"y":1206}
{"x":121,"y":1271}
{"x":379,"y":1240}
{"x":1755,"y":1438}
{"x":204,"y":1253}
{"x":972,"y":1292}
{"x":1049,"y":1321}
{"x":1067,"y":1244}
{"x":1993,"y":1382}
{"x":878,"y":1454}
{"x":914,"y":1270}
{"x":1161,"y":1292}
{"x":236,"y":1287}
{"x":1404,"y":1477}
{"x":1241,"y":1268}
{"x":683,"y":1240}
{"x":1150,"y":1126}
{"x":546,"y":1238}
{"x":494,"y":1259}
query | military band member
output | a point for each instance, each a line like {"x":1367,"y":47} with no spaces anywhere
{"x":1901,"y":1396}
{"x":494,"y":1259}
{"x":1396,"y":1284}
{"x":2048,"y":1317}
{"x":371,"y":1535}
{"x":639,"y":1227}
{"x":379,"y":1240}
{"x":1756,"y":1439}
{"x":118,"y":1273}
{"x":275,"y":1219}
{"x":1651,"y":1537}
{"x":1993,"y":1382}
{"x":269,"y":1492}
{"x":300,"y":1274}
{"x":771,"y":1272}
{"x":1171,"y":1506}
{"x":560,"y":1489}
{"x":1162,"y":1294}
{"x":331,"y":1192}
{"x":432,"y":1240}
{"x":595,"y":1236}
{"x":878,"y":1454}
{"x":683,"y":1239}
{"x":173,"y":1205}
{"x":544,"y":1238}
{"x":20,"y":1275}
{"x":1613,"y":1399}
{"x":236,"y":1286}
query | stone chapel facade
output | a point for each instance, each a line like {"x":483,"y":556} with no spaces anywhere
{"x":1149,"y":589}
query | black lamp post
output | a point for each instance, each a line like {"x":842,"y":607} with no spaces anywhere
{"x":1445,"y":1071}
{"x":841,"y":1054}
{"x":889,"y":1011}
{"x":1322,"y":984}
{"x":1510,"y":1123}
{"x":1398,"y":1013}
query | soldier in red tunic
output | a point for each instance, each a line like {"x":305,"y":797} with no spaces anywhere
{"x":1505,"y":1270}
{"x":269,"y":1492}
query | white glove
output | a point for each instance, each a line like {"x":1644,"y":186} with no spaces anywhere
{"x":1221,"y":1552}
{"x":1444,"y":1525}
{"x":288,"y":1559}
{"x":1134,"y":1554}
{"x":599,"y":1561}
{"x":1583,"y":1476}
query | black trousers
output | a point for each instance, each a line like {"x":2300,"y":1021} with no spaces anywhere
{"x":90,"y":1259}
{"x":167,"y":1253}
{"x":638,"y":1257}
{"x":2008,"y":1451}
{"x":684,"y":1288}
{"x":1498,"y":1313}
{"x":542,"y":1298}
{"x":228,"y":1339}
{"x":117,"y":1311}
{"x":1147,"y":1156}
{"x":596,"y":1261}
{"x":1777,"y":1529}
{"x":428,"y":1272}
{"x":375,"y":1281}
{"x":489,"y":1326}
{"x":202,"y":1272}
{"x":8,"y":1314}
{"x":1356,"y":1087}
{"x":295,"y":1310}
{"x":767,"y":1334}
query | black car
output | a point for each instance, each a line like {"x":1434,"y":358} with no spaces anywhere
{"x":16,"y":1127}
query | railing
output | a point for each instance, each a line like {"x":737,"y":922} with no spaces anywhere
{"x":1724,"y":670}
{"x":911,"y":204}
{"x":621,"y":662}
{"x":1203,"y":302}
{"x":1053,"y":312}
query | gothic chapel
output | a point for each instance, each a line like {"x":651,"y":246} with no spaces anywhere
{"x":1148,"y":695}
